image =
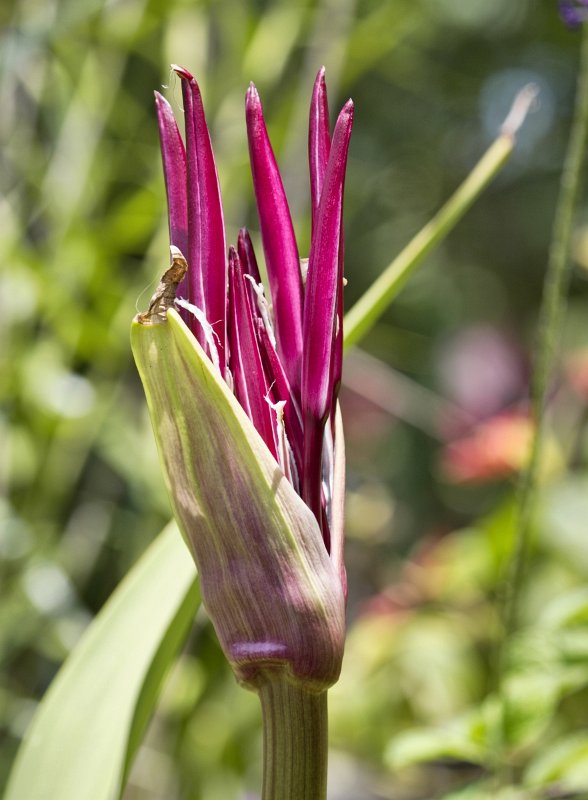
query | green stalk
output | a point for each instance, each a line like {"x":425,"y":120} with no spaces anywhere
{"x":295,"y":745}
{"x":365,"y":313}
{"x":551,"y":316}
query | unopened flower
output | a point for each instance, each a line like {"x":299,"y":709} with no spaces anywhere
{"x":242,"y":390}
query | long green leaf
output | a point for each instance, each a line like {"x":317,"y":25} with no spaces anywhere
{"x":369,"y":308}
{"x":89,"y":724}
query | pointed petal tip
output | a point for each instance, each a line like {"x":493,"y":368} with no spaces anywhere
{"x":346,"y":113}
{"x":243,"y":236}
{"x":320,"y":76}
{"x":252,"y":97}
{"x":182,"y":72}
{"x":161,"y":101}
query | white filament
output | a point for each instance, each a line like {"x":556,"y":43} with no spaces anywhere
{"x":263,"y":308}
{"x":285,"y":454}
{"x":209,"y":333}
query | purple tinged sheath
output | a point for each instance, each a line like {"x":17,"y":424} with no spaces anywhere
{"x":283,"y":362}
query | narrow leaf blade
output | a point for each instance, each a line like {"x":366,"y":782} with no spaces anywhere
{"x":83,"y":736}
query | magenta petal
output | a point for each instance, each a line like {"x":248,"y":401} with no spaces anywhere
{"x":194,"y":276}
{"x":279,"y":243}
{"x":207,"y":257}
{"x":280,"y":389}
{"x":250,"y":384}
{"x":249,"y":263}
{"x":338,"y":501}
{"x":337,"y":352}
{"x":319,"y":141}
{"x":320,"y":311}
{"x":173,"y":156}
{"x":247,"y":255}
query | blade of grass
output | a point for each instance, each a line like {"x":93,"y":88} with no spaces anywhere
{"x":365,"y":313}
{"x":89,"y":725}
{"x":551,"y":317}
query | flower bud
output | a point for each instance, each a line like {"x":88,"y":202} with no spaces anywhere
{"x":272,"y":592}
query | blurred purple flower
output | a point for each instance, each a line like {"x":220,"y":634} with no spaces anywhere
{"x":573,"y":12}
{"x":483,"y":372}
{"x":282,"y":361}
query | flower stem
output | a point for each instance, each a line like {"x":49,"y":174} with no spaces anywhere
{"x":551,"y":316}
{"x":294,"y":740}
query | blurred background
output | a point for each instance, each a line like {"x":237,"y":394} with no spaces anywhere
{"x":434,"y":402}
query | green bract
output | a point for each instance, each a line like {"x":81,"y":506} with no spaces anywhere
{"x":268,"y":583}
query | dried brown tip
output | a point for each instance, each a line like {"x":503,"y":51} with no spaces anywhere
{"x":165,"y":295}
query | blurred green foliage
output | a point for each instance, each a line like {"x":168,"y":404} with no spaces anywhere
{"x":82,"y":242}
